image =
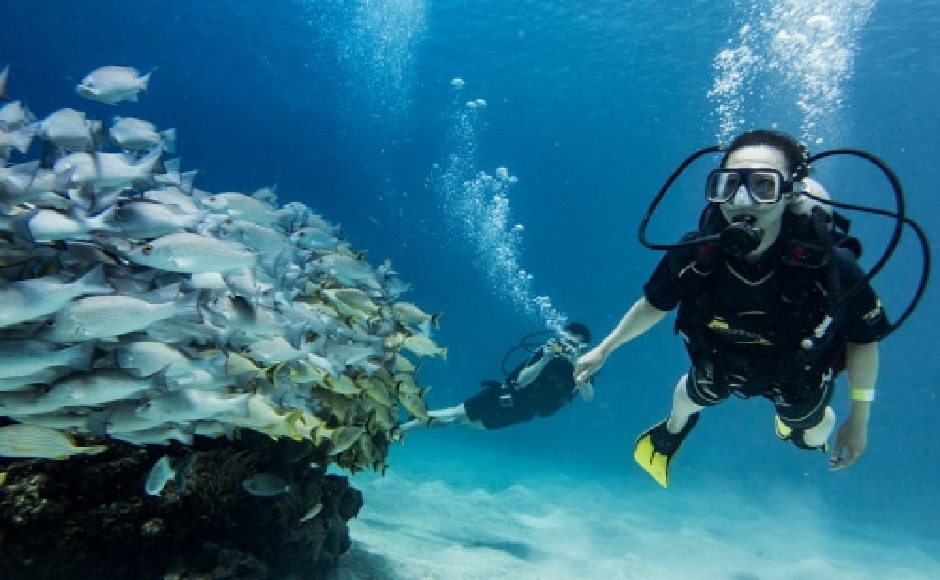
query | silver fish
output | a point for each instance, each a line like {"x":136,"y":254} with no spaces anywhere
{"x":93,"y":389}
{"x":18,"y":383}
{"x":113,"y":84}
{"x":15,"y":180}
{"x":137,"y":134}
{"x":107,"y":316}
{"x":68,"y":129}
{"x":243,"y":207}
{"x":141,"y":219}
{"x":239,"y":313}
{"x":26,"y":357}
{"x":120,"y":418}
{"x":346,"y":270}
{"x":192,"y":253}
{"x":29,"y":299}
{"x":269,"y":351}
{"x":257,"y":237}
{"x":48,"y":225}
{"x":144,"y":358}
{"x":311,"y":238}
{"x":14,"y":115}
{"x":174,"y":198}
{"x":160,"y":435}
{"x":18,"y":139}
{"x":192,"y":405}
{"x":28,"y":183}
{"x":123,"y":170}
{"x":108,"y":170}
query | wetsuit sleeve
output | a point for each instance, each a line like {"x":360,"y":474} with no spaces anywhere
{"x":865,"y":318}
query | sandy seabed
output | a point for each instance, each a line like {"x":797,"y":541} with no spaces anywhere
{"x":463,"y":512}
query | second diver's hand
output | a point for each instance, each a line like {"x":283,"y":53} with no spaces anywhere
{"x":589,"y":363}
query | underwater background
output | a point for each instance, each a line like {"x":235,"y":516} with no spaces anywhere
{"x":510,"y":199}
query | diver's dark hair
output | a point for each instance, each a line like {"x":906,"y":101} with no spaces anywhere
{"x":579,"y":330}
{"x":794,"y":151}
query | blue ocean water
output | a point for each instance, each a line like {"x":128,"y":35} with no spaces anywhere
{"x":351,"y":107}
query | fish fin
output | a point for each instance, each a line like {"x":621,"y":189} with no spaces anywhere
{"x":80,"y":355}
{"x":169,"y":140}
{"x":97,"y":422}
{"x":162,"y":295}
{"x":145,"y":80}
{"x":94,"y":282}
{"x":425,"y":328}
{"x":4,"y":75}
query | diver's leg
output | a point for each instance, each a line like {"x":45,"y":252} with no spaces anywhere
{"x":818,"y":435}
{"x":456,"y":415}
{"x":682,"y":406}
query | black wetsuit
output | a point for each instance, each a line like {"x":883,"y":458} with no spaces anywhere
{"x":503,"y":404}
{"x":743,"y":325}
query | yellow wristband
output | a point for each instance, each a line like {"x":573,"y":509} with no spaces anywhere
{"x":863,"y":395}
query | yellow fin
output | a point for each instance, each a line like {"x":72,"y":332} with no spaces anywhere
{"x":652,"y":461}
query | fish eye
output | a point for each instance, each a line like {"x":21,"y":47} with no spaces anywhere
{"x":146,"y":249}
{"x":49,"y":323}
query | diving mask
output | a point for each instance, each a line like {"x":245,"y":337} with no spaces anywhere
{"x":764,"y":186}
{"x":567,"y":345}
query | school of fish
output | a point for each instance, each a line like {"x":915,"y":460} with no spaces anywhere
{"x":137,"y":307}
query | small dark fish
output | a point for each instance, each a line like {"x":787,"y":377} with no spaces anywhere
{"x":265,"y":485}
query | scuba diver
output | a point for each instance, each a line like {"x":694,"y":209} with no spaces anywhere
{"x":771,"y":303}
{"x":537,"y":387}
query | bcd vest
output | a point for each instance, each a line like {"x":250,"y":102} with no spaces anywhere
{"x":750,"y":319}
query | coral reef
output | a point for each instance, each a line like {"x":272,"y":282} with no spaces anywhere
{"x":89,"y":517}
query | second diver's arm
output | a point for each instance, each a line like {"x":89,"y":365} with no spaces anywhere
{"x":641,"y":317}
{"x":532,"y":370}
{"x":861,"y":368}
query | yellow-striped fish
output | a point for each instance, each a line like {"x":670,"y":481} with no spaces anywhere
{"x":41,"y":443}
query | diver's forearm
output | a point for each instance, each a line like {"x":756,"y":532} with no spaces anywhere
{"x":641,"y":317}
{"x":861,"y":369}
{"x":528,"y":374}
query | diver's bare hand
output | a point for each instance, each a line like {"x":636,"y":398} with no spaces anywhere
{"x":851,"y":443}
{"x":589,"y":363}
